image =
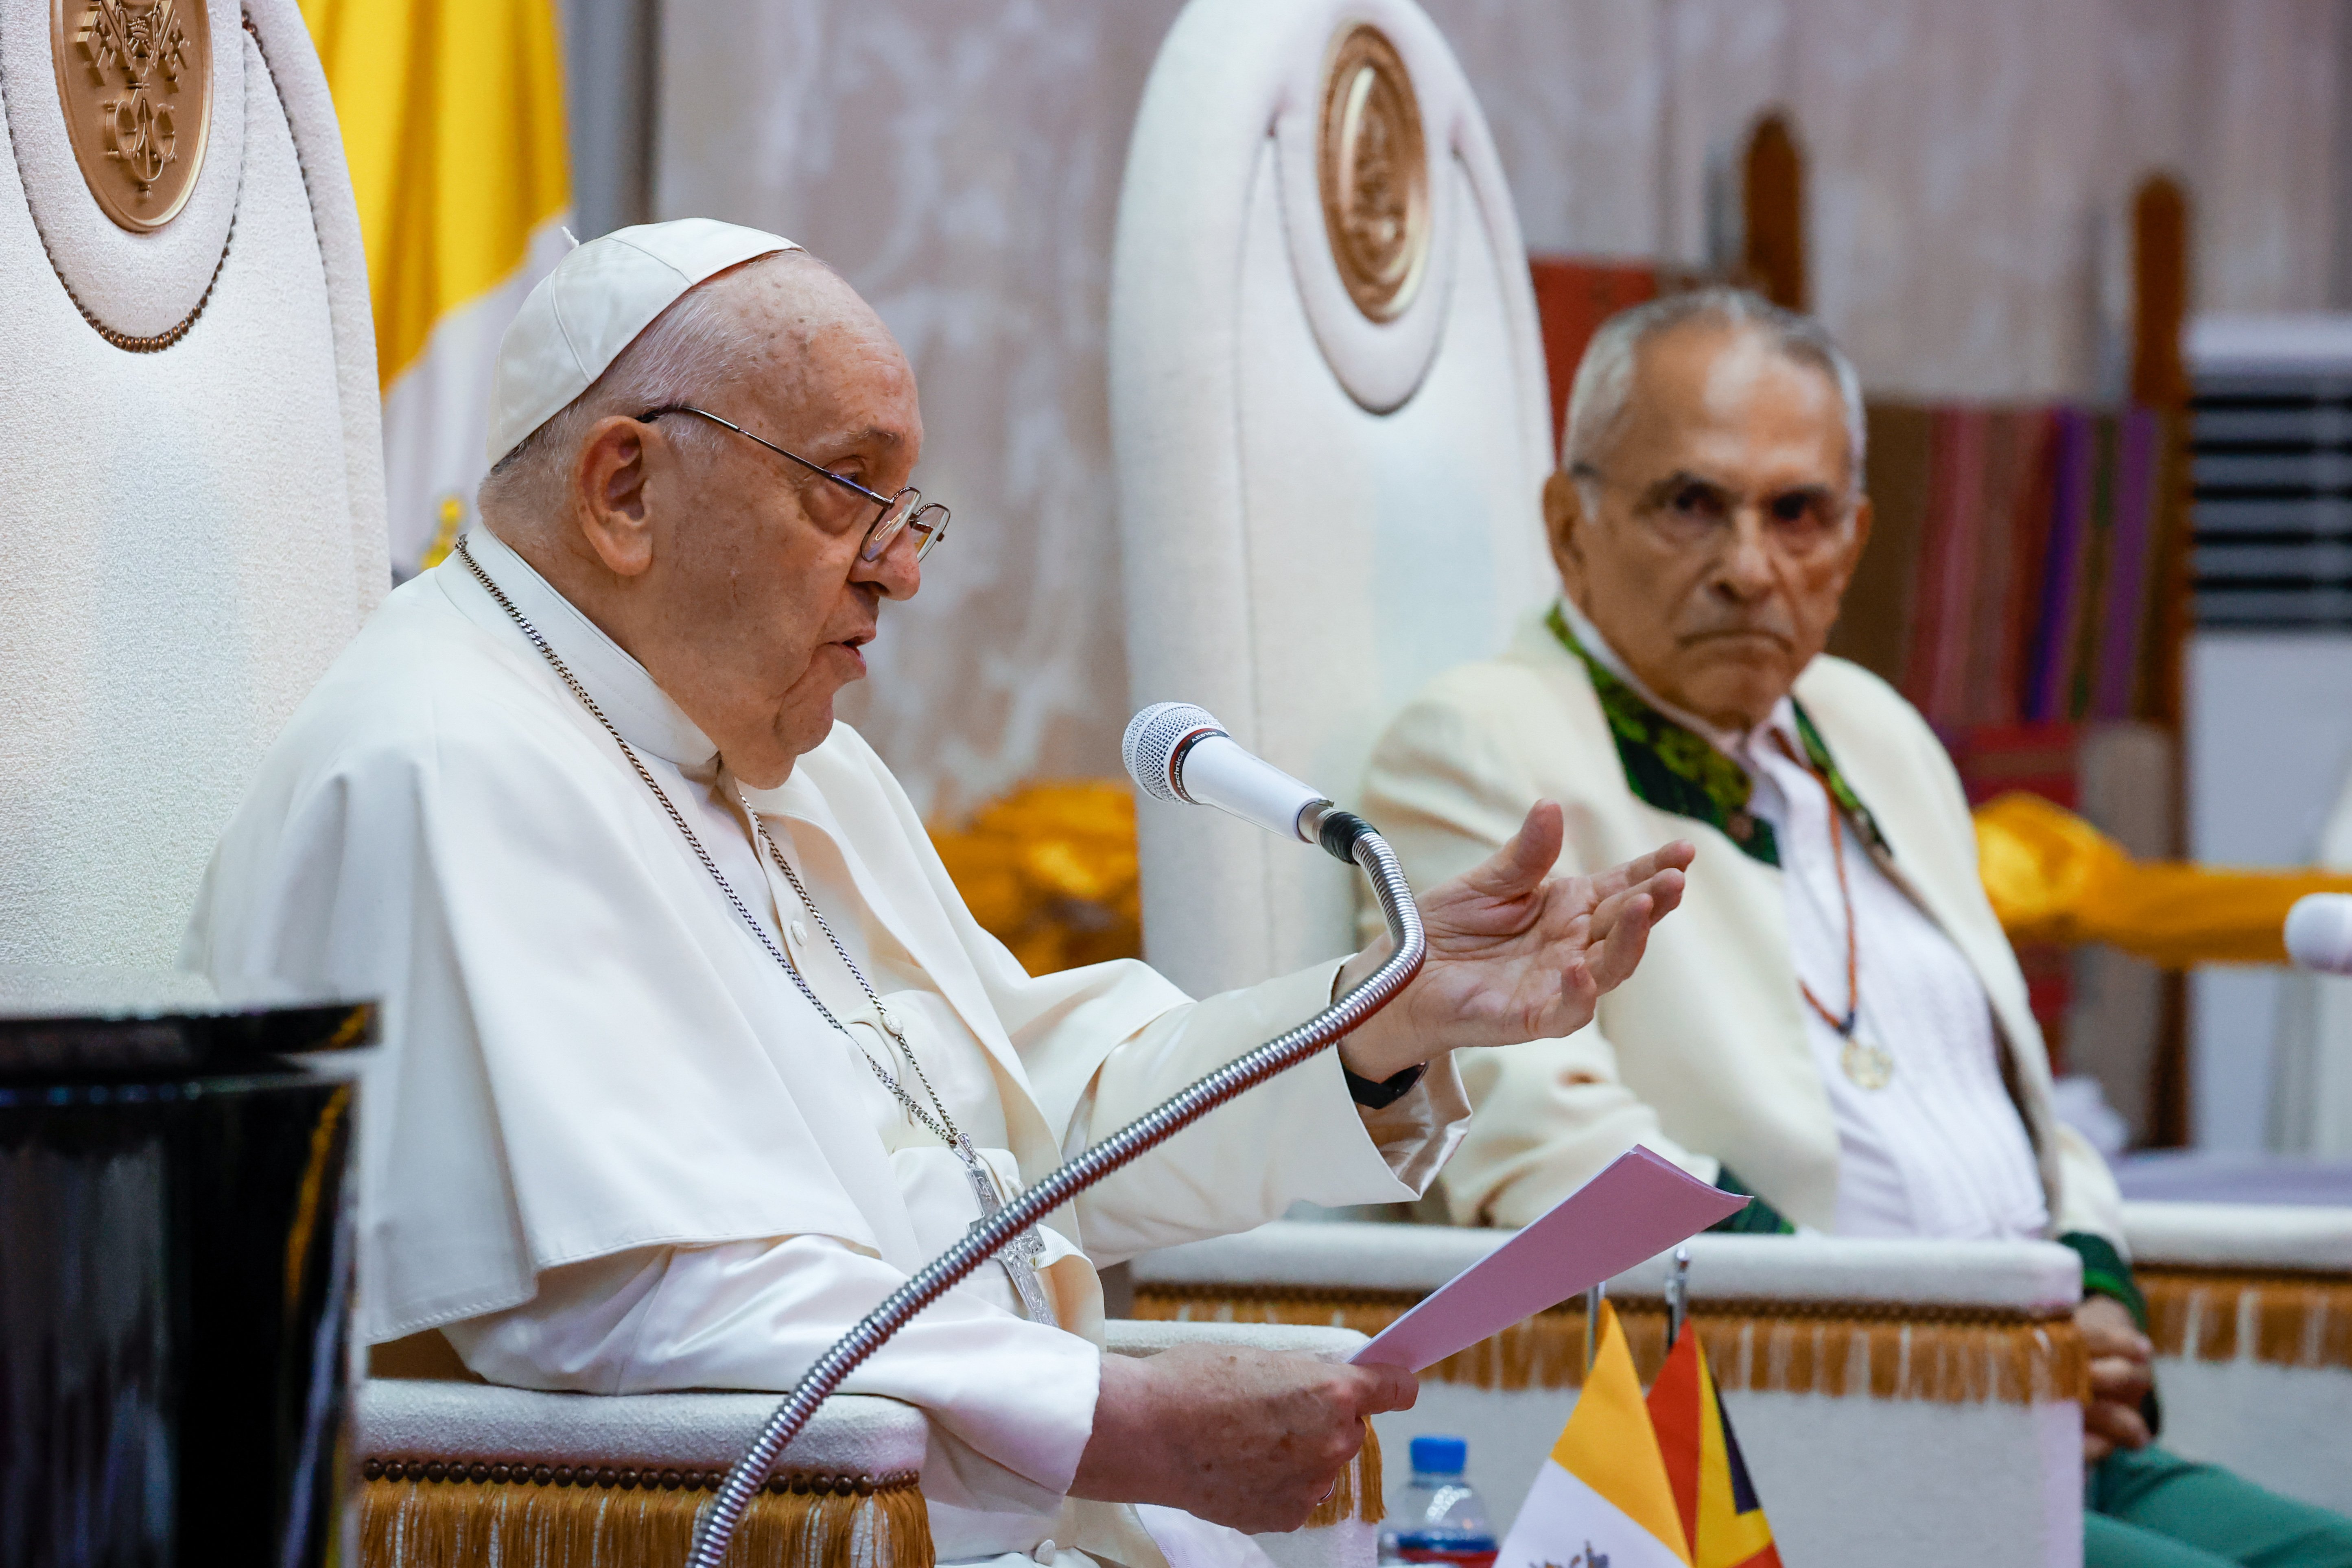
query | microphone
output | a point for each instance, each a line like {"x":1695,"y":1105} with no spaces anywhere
{"x":2319,"y":932}
{"x":1179,"y":753}
{"x":1176,"y":751}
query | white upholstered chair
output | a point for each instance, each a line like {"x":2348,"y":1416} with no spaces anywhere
{"x":1331,"y":441}
{"x":459,"y":1474}
{"x":192,"y":467}
{"x":1331,"y":444}
{"x":2251,"y":1308}
{"x":1328,"y":405}
{"x":1895,"y":1402}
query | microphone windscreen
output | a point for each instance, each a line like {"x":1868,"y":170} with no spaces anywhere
{"x":1152,"y":737}
{"x":2319,"y":932}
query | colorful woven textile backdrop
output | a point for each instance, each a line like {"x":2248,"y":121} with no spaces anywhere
{"x":452,"y":117}
{"x":2019,"y":563}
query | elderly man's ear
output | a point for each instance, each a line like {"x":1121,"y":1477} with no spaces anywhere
{"x":1563,"y":506}
{"x":1864,"y":515}
{"x":609,"y":495}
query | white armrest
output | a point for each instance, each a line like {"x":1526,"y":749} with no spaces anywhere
{"x":851,"y":1435}
{"x":2246,"y":1303}
{"x":2016,"y":1276}
{"x":2240,"y":1235}
{"x":1842,"y":1362}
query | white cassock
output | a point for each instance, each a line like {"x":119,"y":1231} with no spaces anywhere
{"x":610,"y":1147}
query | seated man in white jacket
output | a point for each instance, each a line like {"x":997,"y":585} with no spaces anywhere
{"x":1835,"y":1021}
{"x":694,"y":1053}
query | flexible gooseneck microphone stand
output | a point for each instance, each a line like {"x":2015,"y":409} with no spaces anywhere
{"x":1346,"y":836}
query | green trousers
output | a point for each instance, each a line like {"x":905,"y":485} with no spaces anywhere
{"x":2149,"y":1508}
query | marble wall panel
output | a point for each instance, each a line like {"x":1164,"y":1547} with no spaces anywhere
{"x":960,"y":161}
{"x":1727,"y":62}
{"x":960,"y":164}
{"x":2263,"y":154}
{"x":1583,"y":86}
{"x":1949,"y":240}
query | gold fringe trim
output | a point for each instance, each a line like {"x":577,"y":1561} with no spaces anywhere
{"x":1841,"y":1349}
{"x":458,"y":1522}
{"x":1358,"y":1493}
{"x":2223,"y":1314}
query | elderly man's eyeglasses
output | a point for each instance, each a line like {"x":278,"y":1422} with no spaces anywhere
{"x":1689,"y":513}
{"x":900,"y":513}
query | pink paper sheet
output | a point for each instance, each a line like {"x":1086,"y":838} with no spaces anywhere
{"x":1635,"y":1209}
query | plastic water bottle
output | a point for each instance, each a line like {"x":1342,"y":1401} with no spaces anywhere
{"x":1441,"y":1518}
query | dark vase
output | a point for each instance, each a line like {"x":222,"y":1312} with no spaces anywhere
{"x":175,"y":1275}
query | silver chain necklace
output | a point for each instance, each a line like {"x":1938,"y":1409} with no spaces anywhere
{"x":944,"y":1129}
{"x":1019,"y":1256}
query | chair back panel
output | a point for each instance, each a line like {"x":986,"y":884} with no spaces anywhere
{"x":192,"y":467}
{"x":1319,"y":509}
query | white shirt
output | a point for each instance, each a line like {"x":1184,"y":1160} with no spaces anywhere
{"x":1940,"y":1150}
{"x":610,"y":1146}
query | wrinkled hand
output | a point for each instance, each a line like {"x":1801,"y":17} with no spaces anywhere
{"x":1249,"y":1439}
{"x":2120,"y":1378}
{"x":1516,"y":954}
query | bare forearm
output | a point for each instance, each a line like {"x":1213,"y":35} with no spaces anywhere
{"x":1246,"y":1438}
{"x":1120,"y":1462}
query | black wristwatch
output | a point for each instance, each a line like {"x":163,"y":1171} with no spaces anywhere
{"x":1380,"y":1096}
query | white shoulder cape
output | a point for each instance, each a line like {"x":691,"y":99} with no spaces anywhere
{"x":586,"y":1051}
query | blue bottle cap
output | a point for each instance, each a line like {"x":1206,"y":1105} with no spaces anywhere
{"x":1439,"y":1455}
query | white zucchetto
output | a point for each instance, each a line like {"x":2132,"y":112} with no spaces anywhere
{"x":575,"y":323}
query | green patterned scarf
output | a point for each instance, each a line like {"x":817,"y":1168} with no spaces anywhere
{"x":1674,"y":768}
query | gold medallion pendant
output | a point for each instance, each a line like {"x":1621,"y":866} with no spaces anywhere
{"x":1373,"y":168}
{"x":135,"y":80}
{"x":1869,"y":1063}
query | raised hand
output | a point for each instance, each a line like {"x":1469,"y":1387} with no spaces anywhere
{"x":1513,"y":953}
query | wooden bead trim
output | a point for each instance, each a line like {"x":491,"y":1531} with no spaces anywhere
{"x":126,"y":342}
{"x":818,"y":1484}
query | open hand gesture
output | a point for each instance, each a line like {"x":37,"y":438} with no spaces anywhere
{"x":1515,"y":953}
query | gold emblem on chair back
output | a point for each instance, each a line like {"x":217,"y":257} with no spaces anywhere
{"x":135,"y":80}
{"x":1374,"y":172}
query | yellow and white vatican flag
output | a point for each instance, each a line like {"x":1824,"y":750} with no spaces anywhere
{"x":452,"y":116}
{"x":1603,"y":1498}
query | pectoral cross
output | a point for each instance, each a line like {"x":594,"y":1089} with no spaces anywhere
{"x":1019,"y":1256}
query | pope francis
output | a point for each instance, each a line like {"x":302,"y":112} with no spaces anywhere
{"x":694,"y":1053}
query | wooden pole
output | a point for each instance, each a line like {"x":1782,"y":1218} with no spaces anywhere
{"x":2160,"y":377}
{"x":2160,"y":381}
{"x":1773,"y":201}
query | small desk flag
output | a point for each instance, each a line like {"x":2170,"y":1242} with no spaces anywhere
{"x":1717,"y":1503}
{"x":1603,"y":1498}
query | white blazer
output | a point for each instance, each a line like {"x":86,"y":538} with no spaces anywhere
{"x":1702,"y":1055}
